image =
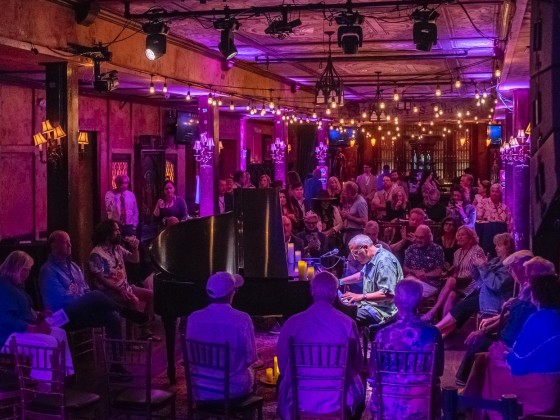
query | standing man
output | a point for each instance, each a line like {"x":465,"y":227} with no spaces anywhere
{"x":313,"y":185}
{"x":225,"y":199}
{"x":220,"y":323}
{"x":367,"y":183}
{"x":380,"y":275}
{"x":121,"y":206}
{"x":386,"y":172}
{"x":355,"y":212}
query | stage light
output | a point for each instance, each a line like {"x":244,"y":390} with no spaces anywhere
{"x":106,"y":82}
{"x":350,"y":35}
{"x":227,"y":46}
{"x":156,"y":39}
{"x":424,"y":30}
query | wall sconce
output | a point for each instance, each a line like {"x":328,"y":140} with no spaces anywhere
{"x":39,"y":140}
{"x":488,"y":141}
{"x":220,"y":147}
{"x":83,"y":139}
{"x":51,"y":136}
{"x":321,"y":152}
{"x":204,"y":149}
{"x":373,"y":141}
{"x":278,"y":150}
{"x":462,"y":141}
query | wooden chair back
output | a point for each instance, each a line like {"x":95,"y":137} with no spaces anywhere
{"x":318,"y":368}
{"x":404,"y":375}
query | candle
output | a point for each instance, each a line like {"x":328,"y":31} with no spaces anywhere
{"x":302,"y":270}
{"x":276,"y":371}
{"x":291,"y":254}
{"x":310,"y":273}
{"x":269,"y":375}
{"x":297,"y":256}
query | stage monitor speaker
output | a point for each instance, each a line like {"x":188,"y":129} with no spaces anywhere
{"x":545,"y":106}
{"x":545,"y":35}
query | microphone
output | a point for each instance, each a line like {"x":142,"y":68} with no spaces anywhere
{"x":335,"y":251}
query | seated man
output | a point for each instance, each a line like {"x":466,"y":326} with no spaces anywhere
{"x":405,"y":237}
{"x":63,"y":287}
{"x":424,"y":260}
{"x":321,"y":323}
{"x":314,"y":241}
{"x":289,"y":238}
{"x":220,"y":323}
{"x":409,"y":333}
{"x":380,"y":274}
{"x":106,"y":264}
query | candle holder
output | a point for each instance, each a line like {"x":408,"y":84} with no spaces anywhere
{"x":321,"y":153}
{"x":204,"y":149}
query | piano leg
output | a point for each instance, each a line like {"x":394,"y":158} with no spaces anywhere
{"x":169,"y":324}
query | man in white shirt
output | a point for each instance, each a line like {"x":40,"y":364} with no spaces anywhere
{"x":220,"y":323}
{"x":121,"y":206}
{"x":321,"y":323}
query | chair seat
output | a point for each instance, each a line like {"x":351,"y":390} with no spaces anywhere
{"x":238,"y":404}
{"x":9,"y":382}
{"x":75,"y":401}
{"x":136,"y":398}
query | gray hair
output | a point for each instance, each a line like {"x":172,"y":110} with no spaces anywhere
{"x":351,"y":186}
{"x":11,"y":268}
{"x":324,"y":287}
{"x":419,"y":211}
{"x":427,"y":230}
{"x":470,"y":231}
{"x":538,"y":266}
{"x":360,"y":240}
{"x":372,"y":224}
{"x":505,"y":239}
{"x":408,"y":293}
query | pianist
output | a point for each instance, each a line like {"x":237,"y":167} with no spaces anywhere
{"x":220,"y":323}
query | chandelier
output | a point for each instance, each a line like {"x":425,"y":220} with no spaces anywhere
{"x":378,"y":106}
{"x":204,"y":149}
{"x":329,"y":89}
{"x":50,"y":137}
{"x":278,"y":150}
{"x":518,"y":148}
{"x":321,"y":152}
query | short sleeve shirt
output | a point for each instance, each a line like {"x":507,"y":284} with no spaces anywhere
{"x":109,"y":261}
{"x":424,"y":258}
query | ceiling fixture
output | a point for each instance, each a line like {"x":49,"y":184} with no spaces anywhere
{"x":152,"y":87}
{"x":188,"y":97}
{"x":281,"y":28}
{"x":378,"y":106}
{"x":350,"y":34}
{"x":424,"y":30}
{"x":329,"y":88}
{"x":438,"y":90}
{"x":227,"y":26}
{"x":156,"y":39}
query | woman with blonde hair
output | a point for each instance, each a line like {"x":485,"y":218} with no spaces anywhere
{"x":17,"y":319}
{"x":265,"y":181}
{"x":335,"y":189}
{"x":460,"y":283}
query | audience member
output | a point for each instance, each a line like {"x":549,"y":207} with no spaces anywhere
{"x":466,"y":183}
{"x":230,"y":185}
{"x":381,"y":272}
{"x":355,"y":211}
{"x":299,"y":204}
{"x":335,"y":189}
{"x":397,"y":206}
{"x":492,"y":209}
{"x":18,"y":320}
{"x":121,"y":206}
{"x":239,"y":179}
{"x":385,"y":172}
{"x":287,"y":209}
{"x":382,"y":197}
{"x":106,"y":264}
{"x":330,"y":219}
{"x":63,"y":287}
{"x":483,"y":192}
{"x":372,"y":230}
{"x":460,"y":283}
{"x":289,"y":238}
{"x":424,"y":260}
{"x":367,"y":183}
{"x":405,"y":236}
{"x":225,"y":199}
{"x":494,"y":285}
{"x":314,"y":242}
{"x":247,"y":180}
{"x":292,"y":177}
{"x":265,"y":181}
{"x":409,"y":333}
{"x":170,"y":205}
{"x":458,"y":208}
{"x":431,"y":199}
{"x":448,"y":241}
{"x":220,"y":323}
{"x":321,"y":323}
{"x":397,"y":182}
{"x":313,"y":185}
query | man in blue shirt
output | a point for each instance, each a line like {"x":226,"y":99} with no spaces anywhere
{"x":312,"y":185}
{"x":63,"y":287}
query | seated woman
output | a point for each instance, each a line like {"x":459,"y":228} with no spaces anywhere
{"x":494,"y":284}
{"x":265,"y":181}
{"x":461,"y":282}
{"x":460,"y":209}
{"x":492,"y":209}
{"x":17,"y":319}
{"x":334,"y":189}
{"x":483,"y":192}
{"x":447,"y":240}
{"x":409,"y":333}
{"x":171,"y":205}
{"x":397,"y":205}
{"x":329,"y":218}
{"x":287,"y":209}
{"x":531,"y":369}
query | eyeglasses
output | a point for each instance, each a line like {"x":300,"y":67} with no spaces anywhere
{"x":356,"y":252}
{"x":448,"y":224}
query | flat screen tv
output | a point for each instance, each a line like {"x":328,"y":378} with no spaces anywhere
{"x":187,"y":127}
{"x":494,"y":133}
{"x":340,"y":138}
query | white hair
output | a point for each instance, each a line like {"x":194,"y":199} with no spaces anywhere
{"x":360,"y":240}
{"x":324,"y":287}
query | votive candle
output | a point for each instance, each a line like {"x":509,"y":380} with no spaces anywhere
{"x":302,"y":270}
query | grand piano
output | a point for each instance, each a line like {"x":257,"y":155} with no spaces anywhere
{"x":248,"y":241}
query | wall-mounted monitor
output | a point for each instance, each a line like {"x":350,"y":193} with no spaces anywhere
{"x":341,"y":138}
{"x":187,"y":128}
{"x":494,"y":133}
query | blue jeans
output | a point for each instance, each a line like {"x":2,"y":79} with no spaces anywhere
{"x":94,"y":309}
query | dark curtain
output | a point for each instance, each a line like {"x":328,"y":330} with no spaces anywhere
{"x":307,"y":140}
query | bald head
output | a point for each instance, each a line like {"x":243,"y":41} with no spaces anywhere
{"x":60,"y":245}
{"x":324,"y":287}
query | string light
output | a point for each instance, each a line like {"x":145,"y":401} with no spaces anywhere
{"x":165,"y":85}
{"x":396,"y":96}
{"x":188,"y":97}
{"x":457,"y":83}
{"x":152,"y":87}
{"x":415,"y":109}
{"x":231,"y":106}
{"x":438,"y":90}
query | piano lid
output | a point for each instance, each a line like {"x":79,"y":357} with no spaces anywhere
{"x":193,"y":250}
